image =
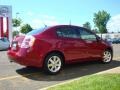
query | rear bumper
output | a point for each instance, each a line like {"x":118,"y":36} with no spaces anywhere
{"x":24,"y":59}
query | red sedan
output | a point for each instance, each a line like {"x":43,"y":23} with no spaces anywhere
{"x":51,"y":47}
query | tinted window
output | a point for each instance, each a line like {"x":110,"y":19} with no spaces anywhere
{"x":67,"y":32}
{"x":87,"y":35}
{"x":36,"y":31}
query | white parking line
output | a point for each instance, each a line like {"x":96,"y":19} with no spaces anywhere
{"x":12,"y":77}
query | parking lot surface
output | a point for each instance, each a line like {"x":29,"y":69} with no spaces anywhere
{"x":17,"y":77}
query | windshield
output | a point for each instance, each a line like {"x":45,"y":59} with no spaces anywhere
{"x":36,"y":31}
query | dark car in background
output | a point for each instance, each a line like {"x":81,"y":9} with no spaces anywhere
{"x":116,"y":41}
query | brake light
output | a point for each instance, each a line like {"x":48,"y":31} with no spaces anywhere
{"x":28,"y":42}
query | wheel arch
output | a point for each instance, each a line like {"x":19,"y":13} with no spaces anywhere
{"x":109,"y":48}
{"x":55,"y":51}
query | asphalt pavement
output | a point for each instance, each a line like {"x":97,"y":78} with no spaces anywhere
{"x":16,"y":77}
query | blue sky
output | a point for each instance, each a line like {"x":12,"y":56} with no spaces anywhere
{"x":38,"y":12}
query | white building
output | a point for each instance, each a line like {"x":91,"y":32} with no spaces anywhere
{"x":109,"y":35}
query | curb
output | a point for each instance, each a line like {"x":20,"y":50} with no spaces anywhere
{"x":68,"y":81}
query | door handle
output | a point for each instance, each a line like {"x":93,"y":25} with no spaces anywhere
{"x":87,"y":41}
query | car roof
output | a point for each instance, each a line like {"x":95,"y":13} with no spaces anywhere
{"x":63,"y":26}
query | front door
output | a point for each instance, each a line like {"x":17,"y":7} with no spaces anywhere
{"x":93,"y":45}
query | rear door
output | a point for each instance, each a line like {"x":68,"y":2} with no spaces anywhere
{"x":74,"y":48}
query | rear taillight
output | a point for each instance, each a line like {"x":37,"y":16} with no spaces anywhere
{"x":28,"y":42}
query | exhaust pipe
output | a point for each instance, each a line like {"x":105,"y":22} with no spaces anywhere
{"x":11,"y":61}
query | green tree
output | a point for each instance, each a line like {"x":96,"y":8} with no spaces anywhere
{"x":25,"y":28}
{"x":100,"y":20}
{"x":95,"y":30}
{"x":87,"y":25}
{"x":15,"y":33}
{"x":16,"y":22}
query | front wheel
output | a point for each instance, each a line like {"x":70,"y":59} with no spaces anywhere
{"x":53,"y":63}
{"x":107,"y":56}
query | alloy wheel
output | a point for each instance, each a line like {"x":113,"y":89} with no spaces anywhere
{"x":107,"y":56}
{"x":54,"y":64}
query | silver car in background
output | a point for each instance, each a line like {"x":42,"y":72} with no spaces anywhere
{"x":4,"y":43}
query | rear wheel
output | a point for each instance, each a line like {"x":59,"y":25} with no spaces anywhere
{"x":53,"y":63}
{"x":107,"y":56}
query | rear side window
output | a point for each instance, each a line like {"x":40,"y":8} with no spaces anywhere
{"x":67,"y":32}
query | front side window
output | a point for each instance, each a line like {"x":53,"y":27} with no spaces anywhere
{"x":87,"y":35}
{"x":67,"y":32}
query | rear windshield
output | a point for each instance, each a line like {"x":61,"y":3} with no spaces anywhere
{"x":37,"y":31}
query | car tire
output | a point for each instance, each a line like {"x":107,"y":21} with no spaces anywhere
{"x":53,"y":63}
{"x":107,"y":56}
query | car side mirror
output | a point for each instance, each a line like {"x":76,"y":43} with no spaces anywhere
{"x":99,"y":38}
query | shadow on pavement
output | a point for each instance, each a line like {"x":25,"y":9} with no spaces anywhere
{"x":69,"y":72}
{"x":3,"y":50}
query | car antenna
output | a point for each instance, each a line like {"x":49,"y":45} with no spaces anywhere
{"x":44,"y":24}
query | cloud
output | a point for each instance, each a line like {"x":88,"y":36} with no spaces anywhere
{"x":33,"y":14}
{"x":29,"y":13}
{"x":114,"y":24}
{"x":48,"y":17}
{"x":38,"y":20}
{"x":37,"y":23}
